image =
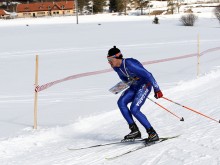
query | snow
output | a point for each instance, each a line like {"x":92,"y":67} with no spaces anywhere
{"x":83,"y":112}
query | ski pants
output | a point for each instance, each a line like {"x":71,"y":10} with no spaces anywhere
{"x":137,"y":99}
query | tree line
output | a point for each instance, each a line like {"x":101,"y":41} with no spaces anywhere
{"x":96,"y":6}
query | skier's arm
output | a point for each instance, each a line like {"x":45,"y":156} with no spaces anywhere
{"x":140,"y":71}
{"x":123,"y":78}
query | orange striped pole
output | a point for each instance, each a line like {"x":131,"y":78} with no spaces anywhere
{"x":181,"y":119}
{"x":191,"y":109}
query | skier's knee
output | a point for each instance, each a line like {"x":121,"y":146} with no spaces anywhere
{"x":134,"y":111}
{"x":121,"y":103}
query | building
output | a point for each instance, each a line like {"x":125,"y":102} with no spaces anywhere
{"x":42,"y":9}
{"x":4,"y":14}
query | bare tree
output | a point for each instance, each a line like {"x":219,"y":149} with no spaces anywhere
{"x":140,"y":4}
{"x":178,"y":5}
{"x":125,"y":3}
{"x":8,"y":2}
{"x":171,"y":6}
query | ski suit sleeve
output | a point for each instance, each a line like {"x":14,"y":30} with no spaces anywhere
{"x":138,"y":69}
{"x":124,"y":79}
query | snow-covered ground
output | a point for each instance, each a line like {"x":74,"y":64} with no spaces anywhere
{"x":82,"y":112}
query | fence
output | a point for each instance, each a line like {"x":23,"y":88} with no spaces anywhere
{"x":39,"y":88}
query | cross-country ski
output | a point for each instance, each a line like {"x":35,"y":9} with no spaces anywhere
{"x":141,"y":147}
{"x":121,"y":142}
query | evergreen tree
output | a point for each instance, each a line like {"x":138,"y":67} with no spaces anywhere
{"x":88,"y":5}
{"x":116,"y":5}
{"x":98,"y":5}
{"x":112,"y":5}
{"x":82,"y":4}
{"x":120,"y":5}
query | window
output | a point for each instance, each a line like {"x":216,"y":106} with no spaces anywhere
{"x":26,"y":14}
{"x":40,"y":13}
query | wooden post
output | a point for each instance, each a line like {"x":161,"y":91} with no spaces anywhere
{"x":198,"y":57}
{"x":36,"y":94}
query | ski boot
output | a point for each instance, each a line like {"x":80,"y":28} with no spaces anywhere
{"x":152,"y":136}
{"x":134,"y":134}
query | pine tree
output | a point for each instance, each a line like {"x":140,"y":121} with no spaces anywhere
{"x":112,"y":5}
{"x":116,"y":5}
{"x":88,"y":5}
{"x":98,"y":5}
{"x":82,"y":4}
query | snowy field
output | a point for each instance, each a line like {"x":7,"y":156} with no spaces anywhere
{"x":83,"y":112}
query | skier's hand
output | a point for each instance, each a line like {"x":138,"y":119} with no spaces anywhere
{"x":158,"y":94}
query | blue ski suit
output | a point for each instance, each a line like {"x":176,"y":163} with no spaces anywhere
{"x":142,"y":83}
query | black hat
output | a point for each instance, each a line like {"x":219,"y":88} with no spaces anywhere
{"x":115,"y":52}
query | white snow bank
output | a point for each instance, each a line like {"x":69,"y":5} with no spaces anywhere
{"x":111,"y":126}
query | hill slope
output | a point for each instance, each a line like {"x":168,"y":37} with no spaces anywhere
{"x":199,"y":142}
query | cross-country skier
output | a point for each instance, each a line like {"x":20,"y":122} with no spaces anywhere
{"x":142,"y":81}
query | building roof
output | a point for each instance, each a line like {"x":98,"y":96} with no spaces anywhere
{"x":3,"y":12}
{"x":45,"y":6}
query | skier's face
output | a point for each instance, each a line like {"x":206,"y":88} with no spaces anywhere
{"x":114,"y":62}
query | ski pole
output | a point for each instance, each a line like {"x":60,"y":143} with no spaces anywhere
{"x":191,"y":109}
{"x":181,"y":119}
